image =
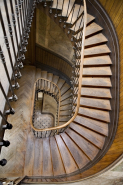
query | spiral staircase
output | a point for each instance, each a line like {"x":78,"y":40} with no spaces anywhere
{"x":79,"y":139}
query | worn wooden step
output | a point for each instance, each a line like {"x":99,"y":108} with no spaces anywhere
{"x":55,"y":79}
{"x":96,"y":82}
{"x":60,"y":83}
{"x":66,"y":107}
{"x":92,"y":29}
{"x":47,"y":163}
{"x":69,"y":163}
{"x":44,"y":75}
{"x":95,"y":114}
{"x":64,"y":118}
{"x":95,"y":40}
{"x":49,"y":85}
{"x":95,"y":92}
{"x":58,"y":168}
{"x":66,"y":11}
{"x":64,"y":88}
{"x":29,"y":156}
{"x":95,"y":103}
{"x":38,"y":157}
{"x":66,"y":95}
{"x":79,"y":157}
{"x":97,"y":71}
{"x":89,"y":135}
{"x":79,"y":24}
{"x":89,"y":149}
{"x":66,"y":101}
{"x":97,"y":61}
{"x":65,"y":112}
{"x":37,"y":74}
{"x":62,"y":122}
{"x":97,"y":51}
{"x":97,"y":126}
{"x":57,"y":6}
{"x":75,"y":14}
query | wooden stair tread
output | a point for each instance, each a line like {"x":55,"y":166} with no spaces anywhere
{"x":79,"y":157}
{"x":58,"y":168}
{"x":79,"y":24}
{"x":47,"y":164}
{"x":97,"y":50}
{"x":97,"y":126}
{"x":49,"y":77}
{"x":55,"y":79}
{"x":59,"y":6}
{"x":38,"y":157}
{"x":91,"y":136}
{"x":69,"y":164}
{"x":64,"y":118}
{"x":65,"y":112}
{"x":65,"y":102}
{"x":44,"y":74}
{"x":93,"y":28}
{"x":76,"y":12}
{"x":29,"y":156}
{"x":64,"y":88}
{"x":96,"y":82}
{"x":89,"y":149}
{"x":100,"y":60}
{"x":64,"y":11}
{"x":66,"y":107}
{"x":97,"y":71}
{"x":96,"y":39}
{"x":66,"y":95}
{"x":95,"y":114}
{"x":95,"y":103}
{"x":95,"y":92}
{"x":38,"y":73}
{"x":60,"y":83}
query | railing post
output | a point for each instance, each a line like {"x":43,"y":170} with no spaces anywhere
{"x":11,"y":110}
{"x":7,"y":125}
{"x":16,"y":85}
{"x":14,"y":97}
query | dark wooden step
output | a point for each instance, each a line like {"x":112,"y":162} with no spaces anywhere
{"x":79,"y":157}
{"x":89,"y":149}
{"x":89,"y":135}
{"x":69,"y":163}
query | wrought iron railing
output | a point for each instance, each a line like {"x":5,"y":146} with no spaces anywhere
{"x":76,"y":79}
{"x":50,"y":88}
{"x":15,"y":22}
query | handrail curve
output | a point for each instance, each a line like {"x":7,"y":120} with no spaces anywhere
{"x":79,"y":84}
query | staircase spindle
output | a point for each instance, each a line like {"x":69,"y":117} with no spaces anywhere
{"x":11,"y":110}
{"x":14,"y":97}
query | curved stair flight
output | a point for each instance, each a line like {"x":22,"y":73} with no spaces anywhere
{"x":80,"y":143}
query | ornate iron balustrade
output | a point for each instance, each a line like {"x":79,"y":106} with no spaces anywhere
{"x":48,"y":87}
{"x":15,"y":22}
{"x":76,"y":79}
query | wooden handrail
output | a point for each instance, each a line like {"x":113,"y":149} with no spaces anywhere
{"x":79,"y":85}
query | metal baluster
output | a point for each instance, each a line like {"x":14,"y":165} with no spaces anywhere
{"x":8,"y":125}
{"x":11,"y":35}
{"x":11,"y":110}
{"x":14,"y":25}
{"x":14,"y":97}
{"x":16,"y":85}
{"x":56,"y":10}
